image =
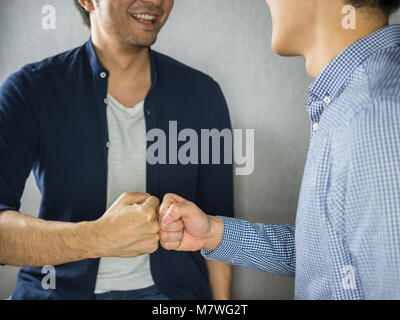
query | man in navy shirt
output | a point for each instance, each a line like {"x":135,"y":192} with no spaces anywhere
{"x":79,"y":120}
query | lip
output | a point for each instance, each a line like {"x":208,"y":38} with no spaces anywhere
{"x":145,"y":25}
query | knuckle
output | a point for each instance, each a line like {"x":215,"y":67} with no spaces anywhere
{"x":167,"y":196}
{"x":170,"y":246}
{"x":156,"y":227}
{"x":126,"y":195}
{"x":152,"y":216}
{"x":149,"y":213}
{"x":147,"y":216}
{"x":163,"y":236}
{"x":176,"y":226}
{"x":163,"y":227}
{"x":155,"y":200}
{"x":173,"y":208}
{"x":164,"y":244}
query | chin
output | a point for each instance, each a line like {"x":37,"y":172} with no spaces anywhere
{"x":278,"y":49}
{"x":142,"y":41}
{"x":281,"y":48}
{"x":278,"y":43}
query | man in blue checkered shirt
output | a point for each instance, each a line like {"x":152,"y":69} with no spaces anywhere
{"x":346,"y":241}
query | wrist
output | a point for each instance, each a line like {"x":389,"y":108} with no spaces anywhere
{"x":86,"y":234}
{"x":216,"y":233}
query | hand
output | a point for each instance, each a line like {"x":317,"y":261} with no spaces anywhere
{"x":185,"y":227}
{"x":129,"y":228}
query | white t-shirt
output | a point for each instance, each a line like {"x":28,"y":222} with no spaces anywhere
{"x":126,"y":173}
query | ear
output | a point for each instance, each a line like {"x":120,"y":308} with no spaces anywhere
{"x":88,"y":5}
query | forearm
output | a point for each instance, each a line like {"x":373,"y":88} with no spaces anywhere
{"x":29,"y":241}
{"x":220,"y":275}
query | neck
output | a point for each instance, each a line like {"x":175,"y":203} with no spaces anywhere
{"x":119,"y":59}
{"x":331,"y":38}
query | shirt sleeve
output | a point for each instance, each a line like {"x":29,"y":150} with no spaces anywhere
{"x":372,"y":206}
{"x":18,"y":137}
{"x":258,"y":247}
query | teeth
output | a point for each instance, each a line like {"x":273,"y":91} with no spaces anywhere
{"x":144,"y":16}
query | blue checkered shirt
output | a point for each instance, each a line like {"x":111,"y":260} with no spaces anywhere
{"x":346,"y":243}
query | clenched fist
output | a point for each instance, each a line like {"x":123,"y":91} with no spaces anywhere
{"x":129,"y":228}
{"x":185,"y":227}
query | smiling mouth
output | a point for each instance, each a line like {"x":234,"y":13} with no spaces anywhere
{"x":147,"y":19}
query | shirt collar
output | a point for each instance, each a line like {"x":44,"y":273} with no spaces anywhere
{"x":329,"y":84}
{"x":98,"y":69}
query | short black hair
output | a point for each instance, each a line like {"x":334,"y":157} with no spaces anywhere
{"x":388,"y":6}
{"x":83,"y":12}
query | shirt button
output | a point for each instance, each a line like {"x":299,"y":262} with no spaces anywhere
{"x":103,"y":75}
{"x":106,"y":101}
{"x":108,"y":144}
{"x":315,"y":126}
{"x":327,"y":100}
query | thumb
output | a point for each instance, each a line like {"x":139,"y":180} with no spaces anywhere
{"x":168,"y":200}
{"x":130,"y":198}
{"x":176,"y":212}
{"x":152,"y":202}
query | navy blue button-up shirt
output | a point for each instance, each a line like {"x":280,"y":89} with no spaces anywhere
{"x":53,"y":121}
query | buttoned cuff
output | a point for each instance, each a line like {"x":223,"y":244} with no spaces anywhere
{"x":231,"y":243}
